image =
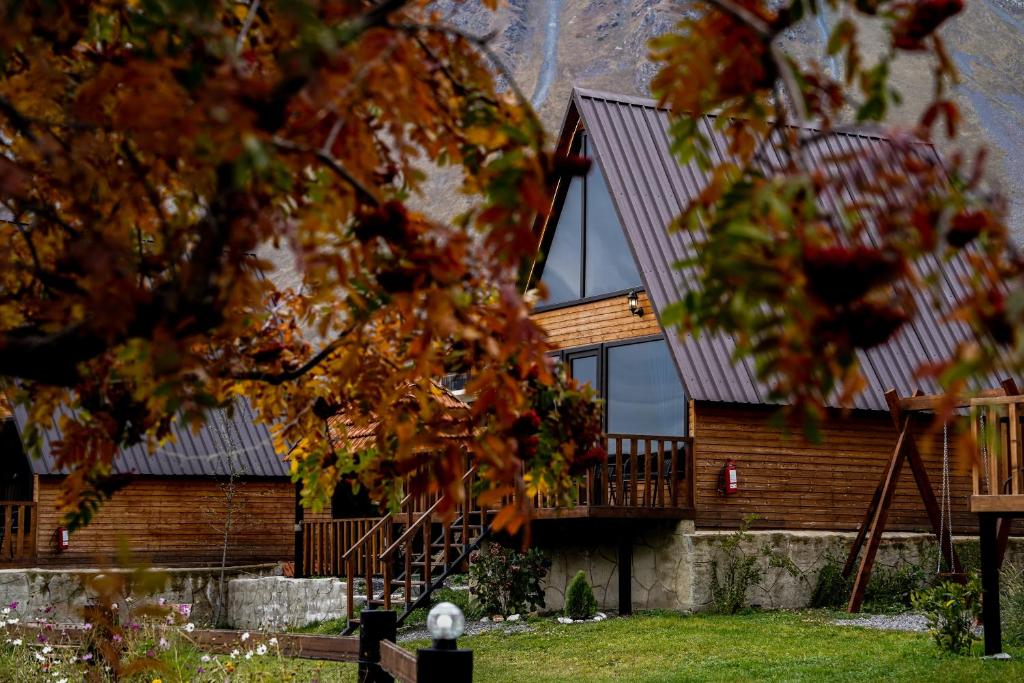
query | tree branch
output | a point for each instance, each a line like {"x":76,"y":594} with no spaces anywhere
{"x":332,"y":163}
{"x":277,"y":378}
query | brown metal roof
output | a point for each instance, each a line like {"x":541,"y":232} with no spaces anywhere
{"x":225,"y":444}
{"x":631,"y":143}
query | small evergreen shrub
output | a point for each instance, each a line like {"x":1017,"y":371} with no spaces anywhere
{"x":580,"y":602}
{"x":951,"y":609}
{"x":506,"y":581}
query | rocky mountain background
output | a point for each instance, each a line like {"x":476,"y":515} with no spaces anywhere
{"x":552,"y":45}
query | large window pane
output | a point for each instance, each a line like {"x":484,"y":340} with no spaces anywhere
{"x":562,"y":269}
{"x":584,"y":371}
{"x":644,"y":392}
{"x":609,"y":261}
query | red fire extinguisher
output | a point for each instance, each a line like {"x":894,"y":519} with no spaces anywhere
{"x":62,"y":538}
{"x":729,"y":485}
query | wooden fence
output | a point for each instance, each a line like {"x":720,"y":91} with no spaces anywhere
{"x":17,"y":531}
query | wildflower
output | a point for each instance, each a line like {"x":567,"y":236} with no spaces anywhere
{"x":164,"y":645}
{"x":13,"y":605}
{"x":150,"y":654}
{"x":185,"y":610}
{"x":234,"y":653}
{"x":61,"y":680}
{"x":229,"y":667}
{"x":40,"y":657}
{"x":248,"y":654}
{"x":189,"y":627}
{"x":87,"y":626}
{"x":16,"y":642}
{"x":261,"y":650}
{"x":135,"y":627}
{"x":47,"y":650}
{"x":273,"y":641}
{"x":13,"y":621}
{"x":204,"y":658}
{"x":161,"y":601}
{"x":117,"y":638}
{"x":5,"y":610}
{"x":245,"y":636}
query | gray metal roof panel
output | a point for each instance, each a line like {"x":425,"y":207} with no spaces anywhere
{"x":631,"y":144}
{"x":225,"y":444}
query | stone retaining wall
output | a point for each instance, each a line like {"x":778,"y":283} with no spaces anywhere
{"x":59,"y":594}
{"x":673,"y":564}
{"x":274,"y":602}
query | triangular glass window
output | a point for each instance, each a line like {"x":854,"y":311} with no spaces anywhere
{"x":588,"y":254}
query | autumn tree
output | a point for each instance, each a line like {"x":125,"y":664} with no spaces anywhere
{"x":153,"y":152}
{"x":800,"y":269}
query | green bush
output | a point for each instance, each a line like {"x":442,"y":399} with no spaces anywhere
{"x":951,"y":609}
{"x":1011,"y":590}
{"x":506,"y":581}
{"x":831,"y":591}
{"x":891,"y":588}
{"x":734,"y":571}
{"x":580,"y":602}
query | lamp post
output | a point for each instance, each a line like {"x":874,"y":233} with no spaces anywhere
{"x":443,"y":660}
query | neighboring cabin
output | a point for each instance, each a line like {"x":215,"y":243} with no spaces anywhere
{"x":172,"y":504}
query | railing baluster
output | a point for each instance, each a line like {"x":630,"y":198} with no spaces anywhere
{"x":1014,"y":426}
{"x":993,"y":451}
{"x":633,"y":447}
{"x":350,"y":586}
{"x":675,"y":474}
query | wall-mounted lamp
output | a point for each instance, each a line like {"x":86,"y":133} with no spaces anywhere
{"x":634,"y":302}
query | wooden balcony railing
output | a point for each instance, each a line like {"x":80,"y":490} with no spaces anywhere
{"x":17,"y":531}
{"x":325,"y":543}
{"x":642,"y":472}
{"x":998,"y":484}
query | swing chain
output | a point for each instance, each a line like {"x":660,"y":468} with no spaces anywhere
{"x":945,"y":504}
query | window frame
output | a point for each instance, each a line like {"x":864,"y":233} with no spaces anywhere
{"x":580,"y":145}
{"x":565,"y":355}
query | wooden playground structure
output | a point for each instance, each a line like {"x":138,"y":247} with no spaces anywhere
{"x":997,"y":494}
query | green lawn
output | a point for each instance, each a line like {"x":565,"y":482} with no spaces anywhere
{"x":768,"y":646}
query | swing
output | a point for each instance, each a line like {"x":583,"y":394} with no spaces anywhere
{"x":946,"y":517}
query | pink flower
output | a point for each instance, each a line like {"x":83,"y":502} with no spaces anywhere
{"x":13,"y":605}
{"x":117,"y":638}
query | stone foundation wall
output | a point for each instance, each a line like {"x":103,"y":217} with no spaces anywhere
{"x":673,"y":564}
{"x":59,"y":594}
{"x":274,"y":602}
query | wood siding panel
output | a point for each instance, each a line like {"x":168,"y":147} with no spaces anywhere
{"x":598,"y":321}
{"x":793,"y":484}
{"x":175,"y":522}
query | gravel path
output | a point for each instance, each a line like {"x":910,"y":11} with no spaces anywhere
{"x":472,"y":628}
{"x":888,"y":622}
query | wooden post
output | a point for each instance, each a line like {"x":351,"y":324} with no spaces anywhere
{"x":867,"y":562}
{"x":990,"y":585}
{"x":299,"y":516}
{"x":375,"y":626}
{"x":447,"y":664}
{"x":625,"y":573}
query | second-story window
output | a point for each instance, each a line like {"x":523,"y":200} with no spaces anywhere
{"x":588,"y":254}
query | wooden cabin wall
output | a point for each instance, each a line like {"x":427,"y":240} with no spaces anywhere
{"x":598,"y":321}
{"x":175,"y":522}
{"x":793,"y":484}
